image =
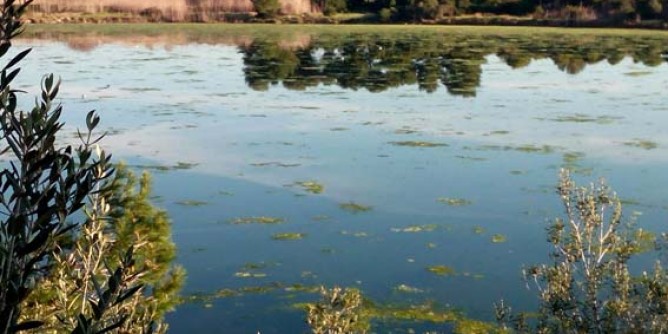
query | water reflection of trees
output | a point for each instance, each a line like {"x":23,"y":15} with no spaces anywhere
{"x":453,"y":61}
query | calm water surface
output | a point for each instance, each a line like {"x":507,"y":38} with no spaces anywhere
{"x":451,"y":137}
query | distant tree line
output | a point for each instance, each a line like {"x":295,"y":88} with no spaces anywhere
{"x":612,"y":11}
{"x":605,"y":11}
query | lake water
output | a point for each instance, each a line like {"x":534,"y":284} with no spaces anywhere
{"x":389,"y":150}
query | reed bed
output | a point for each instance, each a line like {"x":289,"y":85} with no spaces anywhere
{"x":170,"y":10}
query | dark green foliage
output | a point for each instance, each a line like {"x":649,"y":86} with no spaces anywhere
{"x":136,"y":221}
{"x":267,"y":8}
{"x":335,"y":6}
{"x":563,"y":12}
{"x":41,"y":189}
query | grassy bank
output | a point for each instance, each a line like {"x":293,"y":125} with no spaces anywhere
{"x":252,"y":30}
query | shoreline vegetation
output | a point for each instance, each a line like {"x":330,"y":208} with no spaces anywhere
{"x":645,"y":14}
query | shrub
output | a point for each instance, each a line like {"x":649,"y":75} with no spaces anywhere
{"x":57,"y":275}
{"x":267,"y":8}
{"x":339,"y":312}
{"x":588,"y":288}
{"x":385,"y":15}
{"x":131,"y":221}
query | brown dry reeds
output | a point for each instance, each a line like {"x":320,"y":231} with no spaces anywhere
{"x":169,"y":10}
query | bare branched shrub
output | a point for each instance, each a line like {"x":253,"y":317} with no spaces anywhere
{"x":589,"y":288}
{"x":339,"y":312}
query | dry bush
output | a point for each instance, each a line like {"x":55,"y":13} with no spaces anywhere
{"x":339,"y":312}
{"x":589,"y":287}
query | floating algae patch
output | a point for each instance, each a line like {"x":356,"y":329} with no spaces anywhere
{"x":164,"y":168}
{"x":415,"y":228}
{"x":572,"y":158}
{"x":405,"y":130}
{"x":184,"y":165}
{"x":427,"y":312}
{"x":207,"y":298}
{"x":637,"y":73}
{"x":353,"y":207}
{"x":642,"y":143}
{"x":478,"y":230}
{"x":582,"y":118}
{"x":359,"y":234}
{"x":275,"y":164}
{"x":140,"y":89}
{"x":544,"y":149}
{"x":571,"y":161}
{"x":192,"y":203}
{"x":258,"y":220}
{"x":413,"y":143}
{"x":498,"y":238}
{"x":388,"y":314}
{"x":311,"y":186}
{"x":470,"y":158}
{"x":527,"y":148}
{"x":499,"y":132}
{"x":338,"y":129}
{"x":468,"y":326}
{"x":254,"y":266}
{"x":451,"y":201}
{"x":407,"y":289}
{"x":441,"y":270}
{"x":288,"y":236}
{"x":159,"y":168}
{"x":248,"y":274}
{"x":320,"y":218}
